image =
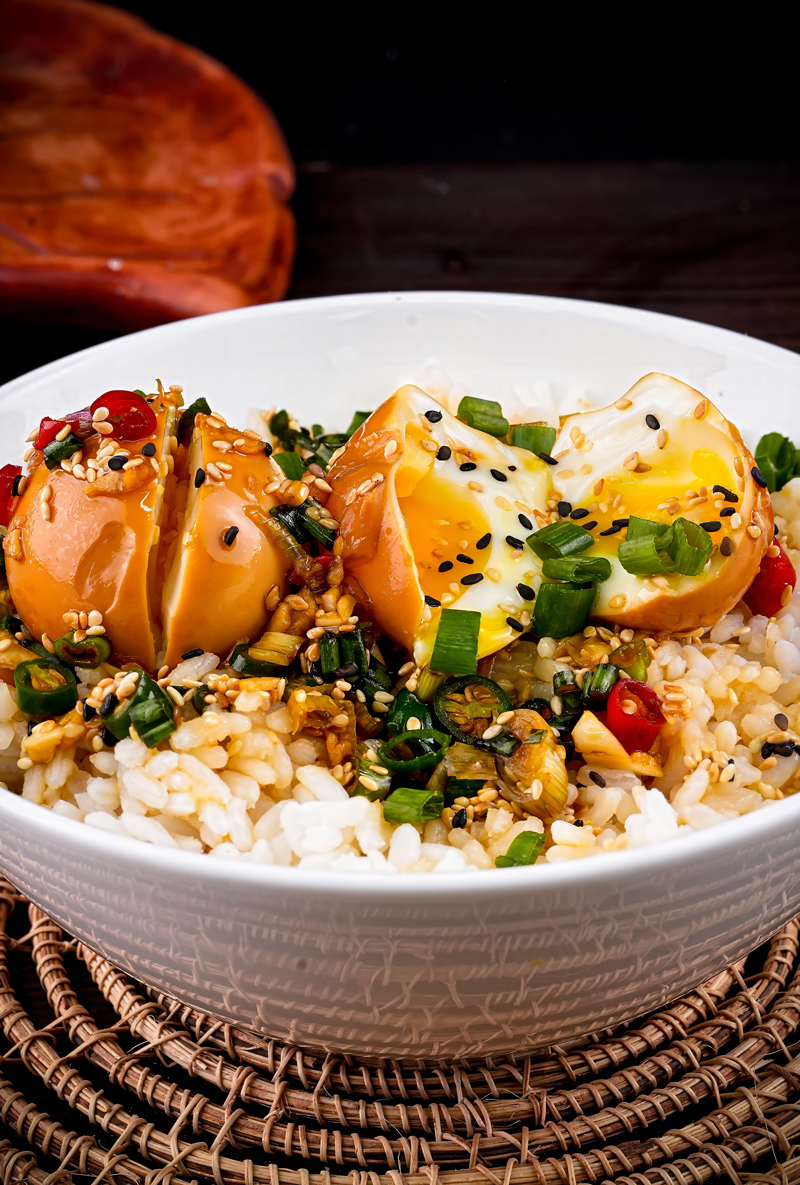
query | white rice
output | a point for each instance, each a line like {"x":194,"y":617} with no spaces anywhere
{"x":238,"y":785}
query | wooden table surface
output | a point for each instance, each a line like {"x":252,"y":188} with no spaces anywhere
{"x":717,"y":242}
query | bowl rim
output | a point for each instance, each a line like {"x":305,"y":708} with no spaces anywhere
{"x":582,"y":873}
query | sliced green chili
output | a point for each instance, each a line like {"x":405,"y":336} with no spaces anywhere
{"x":150,"y":710}
{"x":45,"y":687}
{"x":632,"y":658}
{"x":410,"y":765}
{"x":451,"y":701}
{"x":89,"y":652}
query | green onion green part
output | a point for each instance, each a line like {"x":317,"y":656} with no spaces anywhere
{"x":455,"y":651}
{"x":562,"y":609}
{"x":411,"y":805}
{"x":523,"y":849}
{"x":580,"y":569}
{"x":59,"y":450}
{"x":536,"y":438}
{"x":483,"y":414}
{"x":411,"y":765}
{"x":775,"y":457}
{"x":558,"y":540}
{"x":292,"y":464}
{"x":597,"y":684}
{"x":645,"y":555}
{"x":690,"y":547}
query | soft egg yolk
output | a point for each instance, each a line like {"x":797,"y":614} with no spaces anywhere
{"x":442,"y":524}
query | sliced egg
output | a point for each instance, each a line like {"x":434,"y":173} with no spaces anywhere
{"x":435,"y":514}
{"x":660,"y":452}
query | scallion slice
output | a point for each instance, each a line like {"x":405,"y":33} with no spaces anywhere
{"x":562,"y":609}
{"x":536,"y":438}
{"x":775,"y":456}
{"x":329,"y":656}
{"x":558,"y":540}
{"x":646,"y":555}
{"x":580,"y":569}
{"x":455,"y":651}
{"x":59,"y":450}
{"x":186,"y":422}
{"x":292,"y":464}
{"x":567,"y":690}
{"x":642,"y":527}
{"x":367,"y":761}
{"x":598,"y":683}
{"x":354,"y":651}
{"x":410,"y":804}
{"x":484,"y":414}
{"x":523,"y":849}
{"x":689,"y":547}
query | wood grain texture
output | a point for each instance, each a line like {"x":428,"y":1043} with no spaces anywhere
{"x":714,"y":242}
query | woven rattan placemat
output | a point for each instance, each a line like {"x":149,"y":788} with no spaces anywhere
{"x":101,"y":1081}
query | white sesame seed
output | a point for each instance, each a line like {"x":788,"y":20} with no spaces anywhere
{"x":504,"y":717}
{"x":623,"y":403}
{"x":100,"y":415}
{"x":492,"y":731}
{"x":175,"y":695}
{"x":47,"y":642}
{"x":222,"y":445}
{"x":103,"y":427}
{"x":391,"y":447}
{"x":44,"y":510}
{"x":94,"y":631}
{"x":212,"y":470}
{"x":95,"y":617}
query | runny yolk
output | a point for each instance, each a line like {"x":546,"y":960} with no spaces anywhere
{"x":442,"y":525}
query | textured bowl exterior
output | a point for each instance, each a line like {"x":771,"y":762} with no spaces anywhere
{"x":435,"y":966}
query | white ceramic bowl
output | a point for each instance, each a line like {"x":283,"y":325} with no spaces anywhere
{"x":420,"y":965}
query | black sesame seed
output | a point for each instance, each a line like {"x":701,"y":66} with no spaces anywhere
{"x":620,"y":522}
{"x":526,"y":592}
{"x":497,"y":475}
{"x":460,"y":818}
{"x":464,"y":559}
{"x":512,"y":469}
{"x":598,"y":779}
{"x":484,"y":541}
{"x":229,"y":536}
{"x":198,"y":650}
{"x":345,"y":672}
{"x":268,"y":449}
{"x":758,"y":477}
{"x":148,"y":450}
{"x":473,"y":578}
{"x":579,"y":822}
{"x":526,"y":522}
{"x":612,"y":530}
{"x":548,"y":460}
{"x":726,"y":547}
{"x":89,"y":712}
{"x":31,"y":727}
{"x":590,"y":526}
{"x":515,"y":543}
{"x":775,"y":530}
{"x":434,"y":604}
{"x":780,"y":721}
{"x":433,"y":415}
{"x":199,"y":478}
{"x":652,"y":422}
{"x":785,"y":749}
{"x":766,"y":750}
{"x":564,"y":509}
{"x":444,"y":453}
{"x":117,"y":462}
{"x":515,"y":625}
{"x":579,"y":513}
{"x":108,"y":738}
{"x":15,"y":486}
{"x":468,"y":466}
{"x":109,"y":704}
{"x":727,"y":494}
{"x":727,"y":511}
{"x":711,"y":527}
{"x":446,"y":566}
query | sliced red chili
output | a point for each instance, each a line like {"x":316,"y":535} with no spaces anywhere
{"x":80,"y":422}
{"x":634,"y":714}
{"x":8,"y":475}
{"x":130,"y":415}
{"x":767,"y":592}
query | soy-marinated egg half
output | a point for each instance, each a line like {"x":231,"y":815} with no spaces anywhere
{"x":434,"y":513}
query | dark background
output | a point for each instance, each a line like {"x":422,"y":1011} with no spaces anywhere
{"x":649,"y":161}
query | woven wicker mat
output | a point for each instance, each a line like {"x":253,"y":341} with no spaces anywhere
{"x":101,"y":1081}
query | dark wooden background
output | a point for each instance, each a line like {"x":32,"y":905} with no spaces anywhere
{"x":649,"y":166}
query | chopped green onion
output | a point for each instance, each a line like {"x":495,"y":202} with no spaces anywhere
{"x":597,"y":684}
{"x":411,"y":805}
{"x":186,"y":422}
{"x":279,"y":425}
{"x":410,"y":765}
{"x":641,"y":527}
{"x":358,"y":419}
{"x":241,"y":661}
{"x":645,"y":555}
{"x":313,"y":527}
{"x":562,"y":609}
{"x":633,"y":659}
{"x":58,"y":450}
{"x":689,"y":547}
{"x":329,"y":657}
{"x":580,"y":569}
{"x":775,"y":457}
{"x":367,"y":761}
{"x":536,"y":438}
{"x":484,"y":414}
{"x":558,"y":540}
{"x":292,"y":464}
{"x":406,"y":707}
{"x":291,"y":518}
{"x":461,"y":788}
{"x":567,"y":690}
{"x":150,"y":711}
{"x":455,"y":651}
{"x":428,"y":683}
{"x":354,"y":651}
{"x":523,"y":849}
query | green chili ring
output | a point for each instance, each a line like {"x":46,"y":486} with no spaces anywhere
{"x":45,"y":688}
{"x":452,"y":687}
{"x":414,"y":764}
{"x":91,"y":652}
